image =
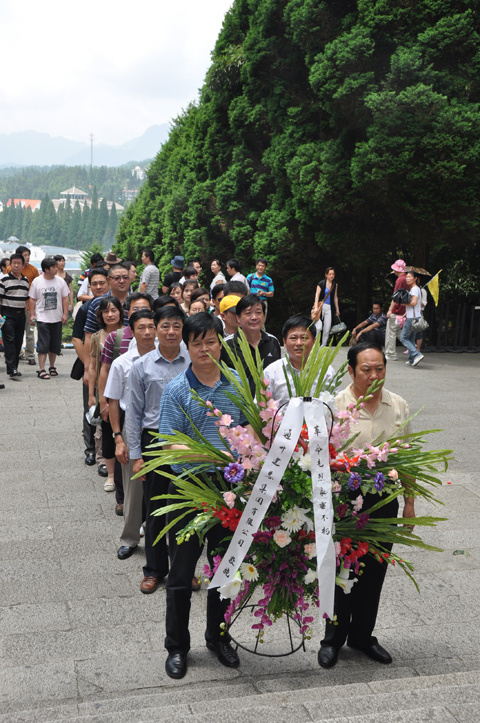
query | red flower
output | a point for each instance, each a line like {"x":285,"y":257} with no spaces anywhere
{"x":228,"y":518}
{"x":362,"y":549}
{"x":345,"y":545}
{"x":332,"y":451}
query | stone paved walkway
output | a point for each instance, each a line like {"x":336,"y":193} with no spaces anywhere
{"x":80,"y":642}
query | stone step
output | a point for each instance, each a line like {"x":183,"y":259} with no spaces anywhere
{"x":448,"y":697}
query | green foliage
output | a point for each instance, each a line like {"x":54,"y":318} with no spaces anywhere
{"x":94,"y":248}
{"x":327,"y":133}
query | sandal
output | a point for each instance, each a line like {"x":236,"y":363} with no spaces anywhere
{"x":52,"y":371}
{"x":42,"y":374}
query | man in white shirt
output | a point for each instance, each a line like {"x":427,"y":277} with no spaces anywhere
{"x":49,"y":307}
{"x":117,"y":392}
{"x":380,"y":417}
{"x":233,"y":270}
{"x":150,"y":278}
{"x":299,"y":334}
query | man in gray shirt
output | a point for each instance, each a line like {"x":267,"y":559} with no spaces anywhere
{"x":148,"y":378}
{"x":150,"y":278}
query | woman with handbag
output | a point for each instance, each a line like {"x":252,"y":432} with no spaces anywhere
{"x":413,"y":311}
{"x":326,"y":295}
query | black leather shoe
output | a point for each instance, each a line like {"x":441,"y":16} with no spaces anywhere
{"x":375,"y":652}
{"x":225,"y":653}
{"x":327,"y":656}
{"x":90,"y":459}
{"x":102,"y":470}
{"x":176,"y":665}
{"x":124,"y":551}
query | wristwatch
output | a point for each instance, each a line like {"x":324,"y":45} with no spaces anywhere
{"x":116,"y":434}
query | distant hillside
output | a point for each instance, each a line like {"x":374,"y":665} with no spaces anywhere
{"x":34,"y":182}
{"x":29,"y":148}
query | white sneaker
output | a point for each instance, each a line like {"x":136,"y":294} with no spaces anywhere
{"x":417,"y":360}
{"x":109,"y":486}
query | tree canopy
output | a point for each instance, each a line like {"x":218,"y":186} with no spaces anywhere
{"x":327,"y":132}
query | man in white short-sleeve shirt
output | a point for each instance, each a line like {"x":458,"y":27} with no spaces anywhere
{"x":298,"y":338}
{"x":49,"y":307}
{"x":117,"y":392}
{"x":150,"y":278}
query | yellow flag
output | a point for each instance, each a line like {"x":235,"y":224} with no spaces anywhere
{"x":434,"y":287}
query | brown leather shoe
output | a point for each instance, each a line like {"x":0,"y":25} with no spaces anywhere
{"x":196,"y":584}
{"x":119,"y":509}
{"x":148,"y":585}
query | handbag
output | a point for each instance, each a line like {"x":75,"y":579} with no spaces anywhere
{"x":77,"y":369}
{"x":339,"y":327}
{"x":419,"y":324}
{"x":402,"y":296}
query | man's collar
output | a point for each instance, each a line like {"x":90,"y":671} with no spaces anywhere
{"x":180,"y":354}
{"x":12,"y":276}
{"x":195,"y":383}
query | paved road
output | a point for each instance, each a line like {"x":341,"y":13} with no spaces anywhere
{"x":79,"y":640}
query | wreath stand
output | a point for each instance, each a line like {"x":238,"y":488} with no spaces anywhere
{"x":249,"y":608}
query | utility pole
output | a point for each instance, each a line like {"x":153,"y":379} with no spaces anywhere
{"x":91,"y":153}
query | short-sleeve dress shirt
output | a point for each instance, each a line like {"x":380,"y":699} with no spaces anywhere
{"x":149,"y":376}
{"x":387,"y":418}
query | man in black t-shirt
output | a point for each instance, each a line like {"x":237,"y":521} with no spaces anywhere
{"x":175,"y":275}
{"x":251,"y":317}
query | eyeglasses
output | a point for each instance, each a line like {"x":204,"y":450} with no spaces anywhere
{"x":120,"y":278}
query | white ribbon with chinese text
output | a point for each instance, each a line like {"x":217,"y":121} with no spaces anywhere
{"x":267,"y":484}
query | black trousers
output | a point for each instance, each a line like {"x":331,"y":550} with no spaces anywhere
{"x":183,"y":559}
{"x":88,"y":429}
{"x":156,"y":556}
{"x":374,"y":336}
{"x":12,"y":334}
{"x":357,"y":611}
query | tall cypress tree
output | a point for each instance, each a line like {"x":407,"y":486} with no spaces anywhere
{"x":340,"y":133}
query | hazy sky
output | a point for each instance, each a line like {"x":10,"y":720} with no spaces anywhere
{"x":108,"y":68}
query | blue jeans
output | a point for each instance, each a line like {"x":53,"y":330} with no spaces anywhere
{"x":408,"y":338}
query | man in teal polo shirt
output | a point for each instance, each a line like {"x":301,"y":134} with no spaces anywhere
{"x":178,"y":413}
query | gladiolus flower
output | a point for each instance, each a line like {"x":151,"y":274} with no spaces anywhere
{"x":229,"y":498}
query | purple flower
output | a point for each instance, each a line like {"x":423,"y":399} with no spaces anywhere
{"x":261,"y":536}
{"x":379,"y":481}
{"x":342,"y":509}
{"x":362,"y":521}
{"x":233,"y":472}
{"x":272,"y":522}
{"x":354,"y":481}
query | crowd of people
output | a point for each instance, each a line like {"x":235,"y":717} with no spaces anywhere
{"x":139,"y":355}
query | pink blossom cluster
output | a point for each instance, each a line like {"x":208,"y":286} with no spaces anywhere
{"x":252,"y":453}
{"x":342,"y":431}
{"x":268,"y":411}
{"x":374,"y":454}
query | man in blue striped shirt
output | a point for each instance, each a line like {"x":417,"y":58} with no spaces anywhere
{"x":178,"y":412}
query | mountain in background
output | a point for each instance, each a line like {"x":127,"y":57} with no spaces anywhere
{"x":29,"y":148}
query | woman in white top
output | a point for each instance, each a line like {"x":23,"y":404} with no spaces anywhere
{"x":413,"y":311}
{"x":218,"y":277}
